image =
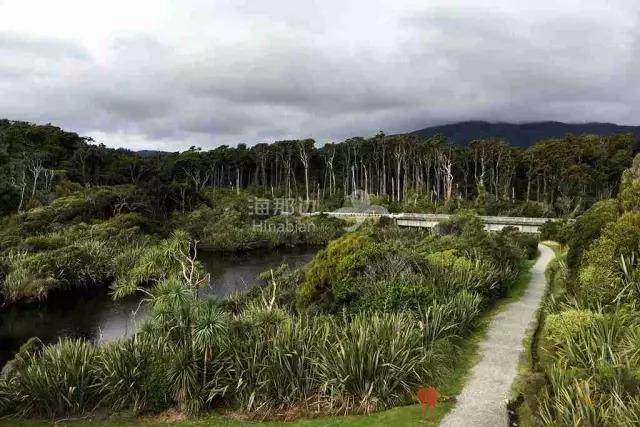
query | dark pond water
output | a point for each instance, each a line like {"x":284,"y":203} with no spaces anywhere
{"x":97,"y":317}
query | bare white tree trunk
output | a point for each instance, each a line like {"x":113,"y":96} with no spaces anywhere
{"x":329,"y":164}
{"x":36,"y":168}
{"x":353,"y":177}
{"x":198,"y":177}
{"x":399,"y":157}
{"x":447,"y":175}
{"x":48,"y":179}
{"x":304,"y":158}
{"x":237,"y":180}
{"x":366,"y":181}
{"x":23,"y":186}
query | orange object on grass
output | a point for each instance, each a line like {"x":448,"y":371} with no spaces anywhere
{"x":428,"y":397}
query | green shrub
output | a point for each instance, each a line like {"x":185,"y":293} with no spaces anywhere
{"x":630,"y":346}
{"x":630,"y":187}
{"x":375,"y":362}
{"x":559,"y":328}
{"x":576,"y":403}
{"x":593,"y":346}
{"x":508,"y":248}
{"x":35,"y":275}
{"x":277,"y":364}
{"x":84,"y":206}
{"x":625,"y":410}
{"x":590,"y":357}
{"x":44,"y":242}
{"x":57,"y":382}
{"x":624,"y":233}
{"x":596,"y":286}
{"x":592,"y":377}
{"x":529,"y":243}
{"x":449,"y":260}
{"x":230,"y":232}
{"x":366,"y":274}
{"x":6,"y":400}
{"x":145,"y":264}
{"x":389,"y":296}
{"x":600,"y":278}
{"x":385,"y":221}
{"x":560,"y":231}
{"x":453,"y":318}
{"x":587,"y":228}
{"x":321,"y":273}
{"x":132,"y":374}
{"x":466,"y":224}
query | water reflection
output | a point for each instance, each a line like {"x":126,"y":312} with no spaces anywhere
{"x":97,"y":317}
{"x":231,"y":273}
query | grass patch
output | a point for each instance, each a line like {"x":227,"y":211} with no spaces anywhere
{"x":404,"y":416}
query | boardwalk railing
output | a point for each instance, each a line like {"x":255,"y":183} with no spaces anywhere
{"x":528,"y":225}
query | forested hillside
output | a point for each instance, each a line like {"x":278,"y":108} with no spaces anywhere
{"x":553,"y":177}
{"x":521,"y":134}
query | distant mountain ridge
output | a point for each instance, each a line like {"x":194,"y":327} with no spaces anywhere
{"x":521,"y":134}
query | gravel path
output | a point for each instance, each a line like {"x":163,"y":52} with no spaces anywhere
{"x":483,"y":399}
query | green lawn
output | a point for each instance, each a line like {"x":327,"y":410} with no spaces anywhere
{"x":401,"y":416}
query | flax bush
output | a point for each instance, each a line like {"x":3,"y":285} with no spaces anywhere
{"x":132,"y":374}
{"x":58,"y":381}
{"x":375,"y":362}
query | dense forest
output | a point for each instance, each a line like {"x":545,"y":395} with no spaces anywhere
{"x":554,"y":177}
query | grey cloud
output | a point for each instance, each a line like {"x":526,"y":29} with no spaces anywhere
{"x":293,"y":74}
{"x":28,"y":45}
{"x":24,"y":57}
{"x":224,"y":73}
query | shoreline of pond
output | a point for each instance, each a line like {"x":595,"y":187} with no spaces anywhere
{"x":89,"y":312}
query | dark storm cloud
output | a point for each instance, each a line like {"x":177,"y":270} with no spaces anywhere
{"x":211,"y":73}
{"x":523,"y":68}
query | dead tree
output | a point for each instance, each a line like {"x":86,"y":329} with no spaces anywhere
{"x":36,"y":168}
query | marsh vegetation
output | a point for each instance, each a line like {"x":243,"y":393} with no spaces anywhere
{"x":373,"y":316}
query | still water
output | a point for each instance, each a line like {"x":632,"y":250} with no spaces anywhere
{"x":97,"y":317}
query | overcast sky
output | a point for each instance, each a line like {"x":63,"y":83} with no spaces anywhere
{"x":171,"y":74}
